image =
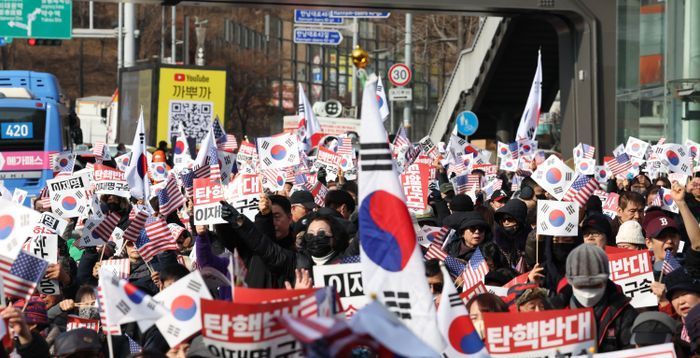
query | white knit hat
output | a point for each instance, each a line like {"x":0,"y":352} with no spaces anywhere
{"x":630,"y":232}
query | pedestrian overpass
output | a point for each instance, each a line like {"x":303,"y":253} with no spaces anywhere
{"x":493,"y":77}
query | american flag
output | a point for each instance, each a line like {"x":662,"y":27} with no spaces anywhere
{"x":156,"y":239}
{"x":581,"y":189}
{"x":670,"y":263}
{"x":355,"y":259}
{"x":99,"y":152}
{"x":44,"y":199}
{"x":401,"y":138}
{"x":133,"y":346}
{"x":218,"y":131}
{"x":120,"y":267}
{"x":345,"y":146}
{"x":435,"y":252}
{"x":105,"y":228}
{"x":106,"y":329}
{"x":340,"y":338}
{"x":475,"y":270}
{"x":271,"y":176}
{"x":22,"y":276}
{"x":202,"y":171}
{"x":620,"y":165}
{"x":455,"y":266}
{"x":134,"y":230}
{"x":587,"y":151}
{"x":228,"y":143}
{"x":187,"y":178}
{"x":436,"y":234}
{"x":170,"y":198}
{"x":214,"y":166}
{"x":465,"y":183}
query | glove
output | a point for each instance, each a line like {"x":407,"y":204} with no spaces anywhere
{"x":229,"y":213}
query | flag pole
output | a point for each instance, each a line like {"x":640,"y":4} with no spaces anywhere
{"x":103,"y":251}
{"x":110,"y":345}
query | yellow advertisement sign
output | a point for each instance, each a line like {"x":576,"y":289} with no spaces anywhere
{"x":191,"y":97}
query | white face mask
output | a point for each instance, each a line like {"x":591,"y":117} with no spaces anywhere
{"x":588,"y":297}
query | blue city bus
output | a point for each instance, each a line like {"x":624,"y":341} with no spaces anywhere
{"x":33,"y":126}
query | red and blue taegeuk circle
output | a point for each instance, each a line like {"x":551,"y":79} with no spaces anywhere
{"x":525,"y":148}
{"x":179,"y":147}
{"x":636,"y":147}
{"x":603,"y":173}
{"x":134,"y":294}
{"x":280,"y":180}
{"x":668,"y":200}
{"x":463,"y":337}
{"x":387,"y":235}
{"x":142,"y":165}
{"x":63,"y":162}
{"x":471,"y":150}
{"x":380,"y":101}
{"x":557,"y":218}
{"x":553,"y":175}
{"x":278,"y":152}
{"x":584,"y":166}
{"x":69,"y":203}
{"x":7,"y":224}
{"x":125,"y":161}
{"x":183,"y":308}
{"x":504,"y":151}
{"x":672,"y":157}
{"x":160,"y":169}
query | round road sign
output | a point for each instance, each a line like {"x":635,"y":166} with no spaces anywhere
{"x":399,"y":75}
{"x":467,"y":123}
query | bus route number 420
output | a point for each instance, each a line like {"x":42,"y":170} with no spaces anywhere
{"x":16,"y":130}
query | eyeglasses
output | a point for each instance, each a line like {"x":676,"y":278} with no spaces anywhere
{"x":595,"y":235}
{"x":475,"y":229}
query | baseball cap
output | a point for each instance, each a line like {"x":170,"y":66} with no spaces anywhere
{"x":303,"y":197}
{"x":650,"y":328}
{"x":499,"y":195}
{"x":77,"y":340}
{"x":630,"y":232}
{"x":659,"y":223}
{"x":445,"y":187}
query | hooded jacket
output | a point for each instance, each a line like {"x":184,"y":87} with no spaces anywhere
{"x":512,"y":244}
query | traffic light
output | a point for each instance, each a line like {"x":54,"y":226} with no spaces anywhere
{"x":44,"y":42}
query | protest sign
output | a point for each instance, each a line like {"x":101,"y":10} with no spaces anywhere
{"x":415,"y":186}
{"x":632,"y":271}
{"x":52,"y":222}
{"x":45,"y":246}
{"x":68,"y":197}
{"x":540,"y":334}
{"x":243,"y":193}
{"x":328,"y":158}
{"x":75,"y":322}
{"x":470,"y":292}
{"x":347,"y":280}
{"x":17,"y":222}
{"x":207,"y":198}
{"x":111,"y":181}
{"x":183,"y":300}
{"x":250,"y":330}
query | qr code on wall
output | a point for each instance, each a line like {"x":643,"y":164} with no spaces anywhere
{"x":195,"y":117}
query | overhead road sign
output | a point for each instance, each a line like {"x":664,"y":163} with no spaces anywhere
{"x":361,"y":14}
{"x":36,"y":19}
{"x":315,"y":17}
{"x":318,"y":36}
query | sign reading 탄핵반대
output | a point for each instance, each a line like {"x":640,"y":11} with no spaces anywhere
{"x":44,"y":19}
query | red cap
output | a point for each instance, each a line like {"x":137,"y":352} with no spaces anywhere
{"x":656,"y":225}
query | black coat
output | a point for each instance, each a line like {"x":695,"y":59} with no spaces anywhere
{"x":512,"y":244}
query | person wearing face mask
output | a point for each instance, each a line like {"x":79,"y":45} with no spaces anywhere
{"x":325,"y":240}
{"x":588,"y":276}
{"x":84,"y":306}
{"x":511,"y":230}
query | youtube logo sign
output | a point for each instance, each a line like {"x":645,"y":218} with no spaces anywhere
{"x":179,"y":77}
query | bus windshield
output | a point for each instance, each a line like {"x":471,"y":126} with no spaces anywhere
{"x":22,"y":129}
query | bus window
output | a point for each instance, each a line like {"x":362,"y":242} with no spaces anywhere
{"x":22,"y":129}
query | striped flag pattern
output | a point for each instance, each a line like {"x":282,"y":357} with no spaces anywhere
{"x":401,"y":138}
{"x":99,"y":152}
{"x":475,"y":270}
{"x":214,"y":166}
{"x":170,"y":198}
{"x":134,"y":230}
{"x":157,"y":239}
{"x":620,"y":165}
{"x":202,"y":171}
{"x":121,"y":267}
{"x":670,"y":263}
{"x":345,"y":146}
{"x":188,"y":182}
{"x":22,"y":275}
{"x":106,"y":329}
{"x":105,"y":228}
{"x":581,"y":189}
{"x":435,"y":252}
{"x":228,"y":143}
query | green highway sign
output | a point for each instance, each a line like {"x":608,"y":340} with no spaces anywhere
{"x":43,"y":19}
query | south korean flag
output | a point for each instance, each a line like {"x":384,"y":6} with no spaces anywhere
{"x":676,"y":158}
{"x":694,"y":149}
{"x":602,"y":174}
{"x":278,"y":151}
{"x":586,"y":166}
{"x":554,"y":177}
{"x":636,"y":147}
{"x":558,"y":218}
{"x":68,"y":196}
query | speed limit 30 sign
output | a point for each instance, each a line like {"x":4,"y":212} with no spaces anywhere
{"x":399,"y":75}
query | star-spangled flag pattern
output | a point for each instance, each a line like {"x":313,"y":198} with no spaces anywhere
{"x":670,"y":263}
{"x":214,"y":167}
{"x":187,"y":178}
{"x":345,"y":147}
{"x":620,"y":165}
{"x":475,"y":270}
{"x":218,"y":131}
{"x":23,"y":275}
{"x":355,"y":259}
{"x":170,"y":198}
{"x":584,"y":151}
{"x":157,"y":238}
{"x":229,"y":144}
{"x":580,"y":190}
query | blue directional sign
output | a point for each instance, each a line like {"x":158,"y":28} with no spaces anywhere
{"x":318,"y":36}
{"x":360,"y":14}
{"x":315,"y":17}
{"x":467,"y":123}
